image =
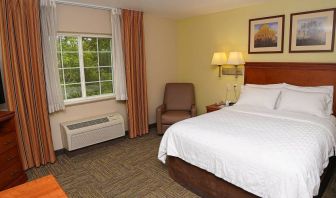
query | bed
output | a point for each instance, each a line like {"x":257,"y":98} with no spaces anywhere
{"x":245,"y":162}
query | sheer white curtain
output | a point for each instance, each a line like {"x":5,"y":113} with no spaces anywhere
{"x":49,"y":38}
{"x":118,"y":62}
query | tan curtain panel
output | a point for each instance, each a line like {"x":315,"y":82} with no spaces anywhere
{"x":133,"y":42}
{"x":24,"y":79}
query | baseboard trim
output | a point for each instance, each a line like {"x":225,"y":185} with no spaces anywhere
{"x":151,"y":126}
{"x":60,"y":151}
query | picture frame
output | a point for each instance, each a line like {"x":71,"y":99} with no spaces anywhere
{"x":312,"y":31}
{"x":273,"y":27}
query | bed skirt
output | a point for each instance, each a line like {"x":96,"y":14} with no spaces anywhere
{"x":207,"y":184}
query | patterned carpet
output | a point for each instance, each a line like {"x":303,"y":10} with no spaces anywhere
{"x":120,"y":168}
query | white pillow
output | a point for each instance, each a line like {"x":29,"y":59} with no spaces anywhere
{"x":304,"y":102}
{"x":258,"y":97}
{"x":278,"y":86}
{"x":329,"y":90}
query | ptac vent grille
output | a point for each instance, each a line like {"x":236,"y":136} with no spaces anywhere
{"x":87,"y":123}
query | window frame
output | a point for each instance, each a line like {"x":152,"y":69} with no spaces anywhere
{"x":84,"y":98}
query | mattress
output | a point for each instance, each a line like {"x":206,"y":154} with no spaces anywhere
{"x":266,"y":152}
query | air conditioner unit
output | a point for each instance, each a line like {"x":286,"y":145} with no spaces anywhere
{"x":81,"y":133}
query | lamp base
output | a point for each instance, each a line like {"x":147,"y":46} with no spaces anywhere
{"x":236,"y":71}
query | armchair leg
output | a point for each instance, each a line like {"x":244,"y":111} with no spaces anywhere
{"x":159,"y":128}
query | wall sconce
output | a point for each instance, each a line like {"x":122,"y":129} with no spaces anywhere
{"x":236,"y":59}
{"x":219,"y":59}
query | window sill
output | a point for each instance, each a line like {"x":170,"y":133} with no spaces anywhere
{"x":92,"y":99}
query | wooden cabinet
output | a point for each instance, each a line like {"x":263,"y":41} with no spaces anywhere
{"x":11,"y":172}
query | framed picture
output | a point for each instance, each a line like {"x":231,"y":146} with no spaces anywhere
{"x":266,"y":34}
{"x":312,"y":31}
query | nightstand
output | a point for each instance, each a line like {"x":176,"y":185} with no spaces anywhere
{"x":215,"y":107}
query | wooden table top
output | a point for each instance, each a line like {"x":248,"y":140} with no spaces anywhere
{"x":43,"y":187}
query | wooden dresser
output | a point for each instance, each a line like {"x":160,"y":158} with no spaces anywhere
{"x":11,"y":172}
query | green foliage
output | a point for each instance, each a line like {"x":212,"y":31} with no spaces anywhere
{"x":89,"y":44}
{"x":70,"y":59}
{"x":91,"y":74}
{"x":105,"y":58}
{"x":61,"y":75}
{"x":69,"y":44}
{"x":106,"y":87}
{"x":71,"y":76}
{"x":58,"y":42}
{"x":90,"y":59}
{"x":105,"y":73}
{"x":73,"y":91}
{"x":92,"y":89}
{"x":97,"y":65}
{"x":59,"y":60}
{"x":104,"y":44}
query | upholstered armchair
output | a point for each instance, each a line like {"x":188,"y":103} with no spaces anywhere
{"x":178,"y":104}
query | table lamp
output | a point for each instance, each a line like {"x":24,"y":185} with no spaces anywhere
{"x":219,"y":59}
{"x":236,"y":58}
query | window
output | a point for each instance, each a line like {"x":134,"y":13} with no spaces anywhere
{"x":85,"y":66}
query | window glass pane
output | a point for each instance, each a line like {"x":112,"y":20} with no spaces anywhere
{"x":106,"y":73}
{"x":71,"y":76}
{"x":63,"y":93}
{"x":105,"y":59}
{"x":91,"y":74}
{"x":70,"y":60}
{"x":96,"y":60}
{"x":106,"y":87}
{"x":69,"y":43}
{"x":61,"y":76}
{"x":59,"y":60}
{"x":58,"y":43}
{"x":73,"y":91}
{"x":92,"y":89}
{"x":90,"y":59}
{"x":89,"y":44}
{"x":104,"y":44}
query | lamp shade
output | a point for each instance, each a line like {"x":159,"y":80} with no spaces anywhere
{"x":219,"y":58}
{"x":235,"y":58}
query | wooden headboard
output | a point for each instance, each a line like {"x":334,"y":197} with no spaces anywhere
{"x":302,"y":74}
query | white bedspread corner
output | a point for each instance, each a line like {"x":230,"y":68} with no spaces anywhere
{"x":268,"y":153}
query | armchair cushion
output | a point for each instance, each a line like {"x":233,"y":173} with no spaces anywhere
{"x":179,"y":96}
{"x":171,"y":117}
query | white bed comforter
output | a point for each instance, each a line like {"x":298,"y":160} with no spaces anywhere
{"x":268,"y":153}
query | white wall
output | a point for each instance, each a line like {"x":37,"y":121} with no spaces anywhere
{"x":160,"y":43}
{"x":160,"y":46}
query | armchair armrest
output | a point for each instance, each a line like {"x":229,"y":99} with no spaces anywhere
{"x":159,"y":110}
{"x":193,"y":110}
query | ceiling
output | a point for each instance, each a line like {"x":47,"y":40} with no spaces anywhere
{"x":176,"y":9}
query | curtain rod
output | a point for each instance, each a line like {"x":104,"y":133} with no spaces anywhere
{"x":83,"y":5}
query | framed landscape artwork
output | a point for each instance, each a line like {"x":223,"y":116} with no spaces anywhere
{"x":312,"y":31}
{"x":266,"y":34}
